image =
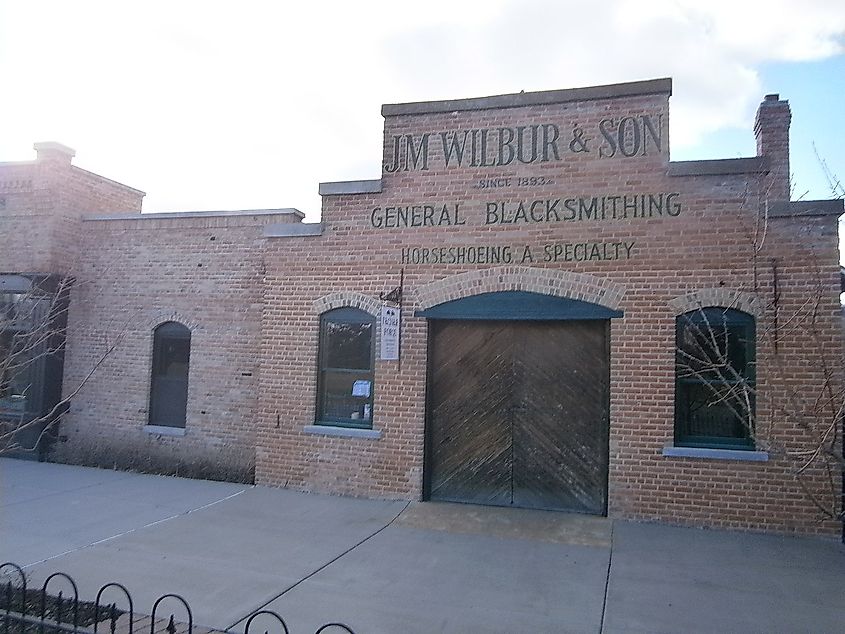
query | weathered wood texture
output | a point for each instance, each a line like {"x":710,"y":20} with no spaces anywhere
{"x":518,"y":414}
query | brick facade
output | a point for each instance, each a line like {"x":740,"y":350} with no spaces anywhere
{"x":445,"y":219}
{"x":705,"y":255}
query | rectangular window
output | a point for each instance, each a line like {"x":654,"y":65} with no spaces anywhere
{"x":25,"y":331}
{"x":715,"y":379}
{"x":18,"y":376}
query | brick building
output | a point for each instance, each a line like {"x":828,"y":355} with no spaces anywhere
{"x":533,"y":306}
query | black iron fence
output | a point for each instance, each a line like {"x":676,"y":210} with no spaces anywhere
{"x":48,"y":610}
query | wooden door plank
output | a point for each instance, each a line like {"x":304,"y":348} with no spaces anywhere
{"x":472,"y":390}
{"x":560,"y":419}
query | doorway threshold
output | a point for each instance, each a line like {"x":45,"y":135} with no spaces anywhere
{"x":558,"y":527}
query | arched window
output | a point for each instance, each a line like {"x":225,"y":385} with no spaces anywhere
{"x":715,"y":379}
{"x":345,"y":380}
{"x":169,"y":382}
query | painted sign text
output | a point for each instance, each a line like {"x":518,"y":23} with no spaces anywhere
{"x":538,"y":143}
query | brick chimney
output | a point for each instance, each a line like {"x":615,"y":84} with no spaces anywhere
{"x":54,"y":152}
{"x":771,"y":128}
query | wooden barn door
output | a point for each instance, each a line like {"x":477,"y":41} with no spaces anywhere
{"x":518,"y":413}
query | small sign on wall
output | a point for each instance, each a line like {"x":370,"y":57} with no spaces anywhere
{"x":389,"y":333}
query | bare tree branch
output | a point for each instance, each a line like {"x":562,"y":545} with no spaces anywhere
{"x":33,"y":331}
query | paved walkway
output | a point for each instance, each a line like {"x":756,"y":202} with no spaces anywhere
{"x":384,"y":566}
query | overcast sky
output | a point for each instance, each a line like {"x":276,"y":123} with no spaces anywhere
{"x":235,"y":105}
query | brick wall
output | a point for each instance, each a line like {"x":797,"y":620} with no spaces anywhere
{"x":202,"y":270}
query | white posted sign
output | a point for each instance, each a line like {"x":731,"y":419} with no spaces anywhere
{"x":389,"y":333}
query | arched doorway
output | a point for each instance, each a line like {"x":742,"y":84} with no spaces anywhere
{"x":518,"y":396}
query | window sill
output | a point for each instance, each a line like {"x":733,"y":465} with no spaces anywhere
{"x":671,"y":451}
{"x":345,"y":432}
{"x":164,"y":430}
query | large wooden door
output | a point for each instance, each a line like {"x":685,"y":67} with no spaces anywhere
{"x":518,"y":413}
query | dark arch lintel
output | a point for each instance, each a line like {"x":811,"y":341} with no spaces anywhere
{"x":518,"y":305}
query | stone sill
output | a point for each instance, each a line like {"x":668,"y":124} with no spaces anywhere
{"x":164,"y":430}
{"x":345,"y":432}
{"x":670,"y":451}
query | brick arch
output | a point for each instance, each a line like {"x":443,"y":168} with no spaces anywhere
{"x":173,"y":315}
{"x":566,"y":284}
{"x":347,"y":299}
{"x":720,"y":297}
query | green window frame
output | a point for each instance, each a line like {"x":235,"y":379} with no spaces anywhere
{"x":715,"y":379}
{"x":346,"y":362}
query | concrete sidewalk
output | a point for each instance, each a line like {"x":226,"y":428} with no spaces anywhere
{"x":384,"y":566}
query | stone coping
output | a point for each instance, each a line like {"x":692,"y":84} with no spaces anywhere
{"x":53,"y":146}
{"x":18,"y":163}
{"x":293,"y":229}
{"x":171,"y":215}
{"x":718,"y":167}
{"x":337,"y":188}
{"x":517,"y":100}
{"x":786,"y":209}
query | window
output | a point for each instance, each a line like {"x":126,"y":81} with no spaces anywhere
{"x":714,"y":379}
{"x":17,"y":365}
{"x":345,"y":381}
{"x":23,"y":311}
{"x":169,"y":383}
{"x":25,"y":333}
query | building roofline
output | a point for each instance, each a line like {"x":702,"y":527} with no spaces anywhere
{"x":108,"y":180}
{"x":75,"y":168}
{"x":516,"y":100}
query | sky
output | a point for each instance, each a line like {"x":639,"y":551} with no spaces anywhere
{"x":211,"y":105}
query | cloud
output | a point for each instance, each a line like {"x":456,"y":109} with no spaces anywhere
{"x":710,"y":49}
{"x":231,"y":105}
